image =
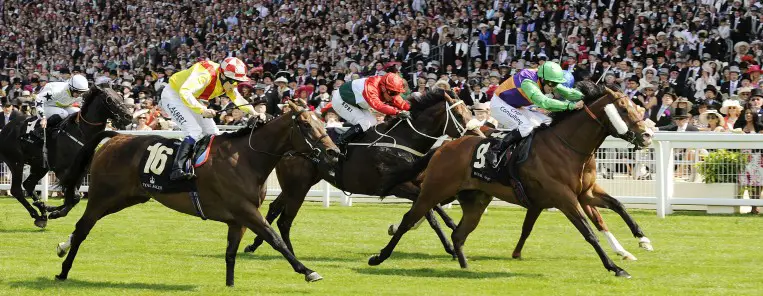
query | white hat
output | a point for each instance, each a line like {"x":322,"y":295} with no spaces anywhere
{"x":703,"y":117}
{"x":26,"y":93}
{"x":729,"y":103}
{"x":481,"y":107}
{"x":281,"y":79}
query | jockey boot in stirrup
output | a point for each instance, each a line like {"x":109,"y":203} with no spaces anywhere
{"x":179,"y":165}
{"x":493,"y":157}
{"x":349,"y":135}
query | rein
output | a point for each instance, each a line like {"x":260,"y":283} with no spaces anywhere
{"x":315,"y":152}
{"x":79,"y":117}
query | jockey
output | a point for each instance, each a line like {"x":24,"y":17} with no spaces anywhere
{"x":204,"y":80}
{"x":55,"y":100}
{"x":511,"y":102}
{"x":353,"y":100}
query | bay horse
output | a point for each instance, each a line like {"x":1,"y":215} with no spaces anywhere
{"x":552,"y":175}
{"x":436,"y":114}
{"x":99,"y":104}
{"x":229,"y":182}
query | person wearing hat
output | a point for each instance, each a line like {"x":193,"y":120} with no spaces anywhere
{"x":261,"y":105}
{"x":646,"y":97}
{"x":661,"y":113}
{"x":330,"y":117}
{"x":682,"y":102}
{"x":711,"y":120}
{"x":755,"y":77}
{"x":56,"y":100}
{"x":9,"y":113}
{"x":756,"y":100}
{"x":681,"y":118}
{"x":482,"y":114}
{"x":732,"y":109}
{"x":730,"y":87}
{"x":511,"y":101}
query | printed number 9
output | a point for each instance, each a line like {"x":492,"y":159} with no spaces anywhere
{"x":157,"y":158}
{"x":481,"y":150}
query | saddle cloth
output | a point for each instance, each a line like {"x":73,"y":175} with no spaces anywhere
{"x":508,"y":159}
{"x":156,"y":165}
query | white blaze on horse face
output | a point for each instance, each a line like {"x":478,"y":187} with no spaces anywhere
{"x":615,"y":119}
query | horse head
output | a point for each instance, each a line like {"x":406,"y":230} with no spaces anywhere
{"x":311,"y":138}
{"x":437,"y":113}
{"x":101,"y":104}
{"x":622,"y":119}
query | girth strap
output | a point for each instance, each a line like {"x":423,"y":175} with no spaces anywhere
{"x":196,"y":203}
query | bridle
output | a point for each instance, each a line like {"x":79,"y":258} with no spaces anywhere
{"x":110,"y":105}
{"x":315,"y":150}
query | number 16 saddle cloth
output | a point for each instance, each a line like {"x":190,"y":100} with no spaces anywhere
{"x":156,"y":164}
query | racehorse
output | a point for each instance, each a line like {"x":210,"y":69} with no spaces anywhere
{"x":388,"y":146}
{"x":552,"y":174}
{"x":99,"y":105}
{"x":229,"y":183}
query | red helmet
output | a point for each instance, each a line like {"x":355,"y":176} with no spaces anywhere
{"x":393,"y":82}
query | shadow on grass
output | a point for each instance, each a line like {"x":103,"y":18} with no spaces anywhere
{"x":268,"y":257}
{"x":445,"y":273}
{"x":30,"y":230}
{"x":439,"y":256}
{"x":42,"y":283}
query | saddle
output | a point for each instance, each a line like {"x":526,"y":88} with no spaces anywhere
{"x":510,"y":159}
{"x":156,"y":164}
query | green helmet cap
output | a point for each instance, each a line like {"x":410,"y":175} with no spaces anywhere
{"x":551,"y":71}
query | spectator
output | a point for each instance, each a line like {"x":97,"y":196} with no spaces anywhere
{"x":680,"y":122}
{"x":661,"y":114}
{"x":712,"y":121}
{"x":733,"y":110}
{"x":750,"y":123}
{"x":9,"y":113}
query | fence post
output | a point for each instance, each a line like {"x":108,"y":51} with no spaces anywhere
{"x":346,"y":200}
{"x":326,"y":194}
{"x":45,"y":184}
{"x":664,"y":153}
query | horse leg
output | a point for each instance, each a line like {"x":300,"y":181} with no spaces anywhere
{"x":290,"y":211}
{"x":445,"y":217}
{"x":276,"y":208}
{"x":250,"y":217}
{"x":420,"y":208}
{"x":410,"y":191}
{"x":35,"y":175}
{"x":595,"y":217}
{"x":575,"y":214}
{"x":17,"y":173}
{"x":473,"y":204}
{"x":603,"y":199}
{"x":527,"y":227}
{"x":235,"y":233}
{"x":98,"y":207}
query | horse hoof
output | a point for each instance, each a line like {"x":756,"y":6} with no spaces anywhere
{"x":623,"y":274}
{"x":60,"y":277}
{"x":516,"y":255}
{"x":629,"y":257}
{"x":375,"y":260}
{"x":60,"y":251}
{"x":249,"y":249}
{"x":313,"y":277}
{"x":391,"y":230}
{"x":41,"y":223}
{"x":646,"y":246}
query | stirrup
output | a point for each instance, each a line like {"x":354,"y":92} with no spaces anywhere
{"x":179,"y":175}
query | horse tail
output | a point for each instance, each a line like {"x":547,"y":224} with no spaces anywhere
{"x":73,"y":176}
{"x":405,"y":174}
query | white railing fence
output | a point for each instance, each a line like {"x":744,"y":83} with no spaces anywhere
{"x":671,"y":173}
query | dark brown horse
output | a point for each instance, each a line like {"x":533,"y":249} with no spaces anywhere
{"x":229,"y":184}
{"x":397,"y":144}
{"x":552,"y":175}
{"x":99,"y":104}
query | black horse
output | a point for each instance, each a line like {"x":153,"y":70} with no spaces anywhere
{"x":64,"y":140}
{"x":389,"y":145}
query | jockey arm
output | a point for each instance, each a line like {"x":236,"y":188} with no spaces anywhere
{"x":39,"y":101}
{"x":373,"y":97}
{"x":567,"y":93}
{"x":533,"y":92}
{"x":195,"y":83}
{"x":239,"y":100}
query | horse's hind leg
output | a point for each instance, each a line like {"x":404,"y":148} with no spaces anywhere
{"x":249,"y":215}
{"x":473,"y":204}
{"x":527,"y":227}
{"x":410,"y":192}
{"x":274,"y":210}
{"x":98,"y":206}
{"x":35,"y":175}
{"x":602,"y":199}
{"x":235,"y":233}
{"x":575,"y":214}
{"x":17,"y":174}
{"x":595,"y":217}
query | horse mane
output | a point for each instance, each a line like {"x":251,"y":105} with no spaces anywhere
{"x":87,"y":100}
{"x":591,"y":92}
{"x":419,"y":104}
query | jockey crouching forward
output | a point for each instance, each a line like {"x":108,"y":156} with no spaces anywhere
{"x":353,"y":100}
{"x":512,"y":99}
{"x":55,"y":101}
{"x":204,"y":80}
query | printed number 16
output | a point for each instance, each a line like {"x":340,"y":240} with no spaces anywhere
{"x":157,"y":158}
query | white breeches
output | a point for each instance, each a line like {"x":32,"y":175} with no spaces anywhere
{"x":61,"y":111}
{"x":352,"y":114}
{"x":192,"y":124}
{"x":512,"y":118}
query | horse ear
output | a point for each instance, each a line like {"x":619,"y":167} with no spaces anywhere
{"x":293,"y":106}
{"x":448,"y":97}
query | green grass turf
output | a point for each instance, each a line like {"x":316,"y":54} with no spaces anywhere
{"x":149,"y":249}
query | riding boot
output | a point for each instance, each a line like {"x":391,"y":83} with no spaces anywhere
{"x":349,"y":135}
{"x":53,"y":122}
{"x":493,"y":157}
{"x":179,"y":165}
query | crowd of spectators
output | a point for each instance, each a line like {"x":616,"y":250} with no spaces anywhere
{"x":688,"y":62}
